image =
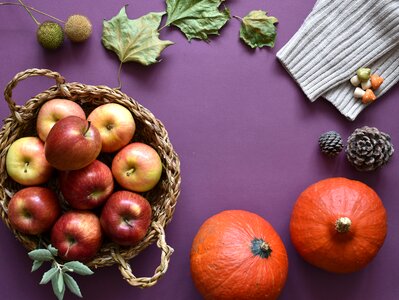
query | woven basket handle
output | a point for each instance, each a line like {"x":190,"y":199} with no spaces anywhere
{"x":14,"y":108}
{"x":143,"y":282}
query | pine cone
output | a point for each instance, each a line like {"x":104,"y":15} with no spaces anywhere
{"x":368,"y":148}
{"x":331,"y":143}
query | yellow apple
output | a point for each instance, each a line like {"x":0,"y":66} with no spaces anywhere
{"x":26,"y":162}
{"x":115,"y":124}
{"x":54,"y":110}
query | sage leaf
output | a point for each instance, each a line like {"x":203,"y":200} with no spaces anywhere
{"x":72,"y":284}
{"x":60,"y":282}
{"x":49,"y":275}
{"x":58,"y":286}
{"x":197,"y":19}
{"x":53,"y":250}
{"x":41,"y":255}
{"x":78,"y":268}
{"x":134,"y":40}
{"x":258,"y":29}
{"x":36,"y":265}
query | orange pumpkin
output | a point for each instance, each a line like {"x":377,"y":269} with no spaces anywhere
{"x":338,"y":225}
{"x":238,"y":255}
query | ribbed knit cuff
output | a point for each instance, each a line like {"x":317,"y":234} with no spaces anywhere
{"x":342,"y":95}
{"x":336,"y":39}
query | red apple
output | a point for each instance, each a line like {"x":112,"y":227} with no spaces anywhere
{"x":33,"y":210}
{"x":26,"y":162}
{"x":77,"y":235}
{"x":73,"y":143}
{"x":88,"y":187}
{"x":116,"y":125}
{"x":137,"y":167}
{"x":126,"y":217}
{"x":54,"y":110}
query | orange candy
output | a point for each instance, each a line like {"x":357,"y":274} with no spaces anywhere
{"x":368,"y":97}
{"x":376,"y":81}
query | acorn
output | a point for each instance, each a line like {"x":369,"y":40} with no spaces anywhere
{"x":50,"y":35}
{"x":78,"y":28}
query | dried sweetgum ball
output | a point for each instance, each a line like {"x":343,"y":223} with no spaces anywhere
{"x":50,"y":35}
{"x":78,"y":28}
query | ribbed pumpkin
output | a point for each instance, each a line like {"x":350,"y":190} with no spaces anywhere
{"x":238,"y":255}
{"x":338,"y":225}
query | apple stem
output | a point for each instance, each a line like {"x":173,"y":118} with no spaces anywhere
{"x":88,"y":127}
{"x":109,"y":126}
{"x":130,"y":172}
{"x":127,"y":222}
{"x":26,"y":167}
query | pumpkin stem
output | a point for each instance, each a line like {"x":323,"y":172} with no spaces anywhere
{"x":264,"y":247}
{"x":343,"y":224}
{"x":260,"y":248}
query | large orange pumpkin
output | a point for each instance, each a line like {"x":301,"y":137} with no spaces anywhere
{"x":338,"y":225}
{"x":238,"y":255}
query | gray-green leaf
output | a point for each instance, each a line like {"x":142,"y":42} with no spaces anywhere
{"x":41,"y":255}
{"x":53,"y":250}
{"x":72,"y":284}
{"x":197,"y":19}
{"x":258,"y":29}
{"x":58,"y":286}
{"x":36,"y":265}
{"x":49,"y":275}
{"x":134,"y":40}
{"x":78,"y":268}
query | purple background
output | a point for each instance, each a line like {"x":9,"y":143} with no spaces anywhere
{"x":245,"y":133}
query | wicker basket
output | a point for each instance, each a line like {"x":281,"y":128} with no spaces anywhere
{"x":149,"y":130}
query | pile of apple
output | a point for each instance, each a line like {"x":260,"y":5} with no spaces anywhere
{"x":98,"y":208}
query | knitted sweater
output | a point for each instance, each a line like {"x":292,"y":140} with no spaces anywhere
{"x":336,"y":39}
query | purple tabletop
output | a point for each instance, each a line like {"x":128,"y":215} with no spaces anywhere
{"x":245,"y":133}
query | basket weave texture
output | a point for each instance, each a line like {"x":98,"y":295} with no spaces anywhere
{"x":149,"y":130}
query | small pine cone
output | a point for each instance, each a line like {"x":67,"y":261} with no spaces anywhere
{"x":331,"y":143}
{"x":368,"y":148}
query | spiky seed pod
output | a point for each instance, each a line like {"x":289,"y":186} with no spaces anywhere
{"x":50,"y":35}
{"x":368,"y":148}
{"x":78,"y":28}
{"x":331,"y":143}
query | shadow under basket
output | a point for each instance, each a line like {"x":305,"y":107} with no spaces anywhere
{"x":149,"y":130}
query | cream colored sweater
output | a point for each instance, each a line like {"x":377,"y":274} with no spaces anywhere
{"x":336,"y":39}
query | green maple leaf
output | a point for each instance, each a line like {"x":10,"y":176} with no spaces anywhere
{"x":197,"y":19}
{"x":258,"y":29}
{"x":134,"y":40}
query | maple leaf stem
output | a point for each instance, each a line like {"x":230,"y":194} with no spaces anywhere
{"x":164,"y":26}
{"x":119,"y":77}
{"x":238,"y":18}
